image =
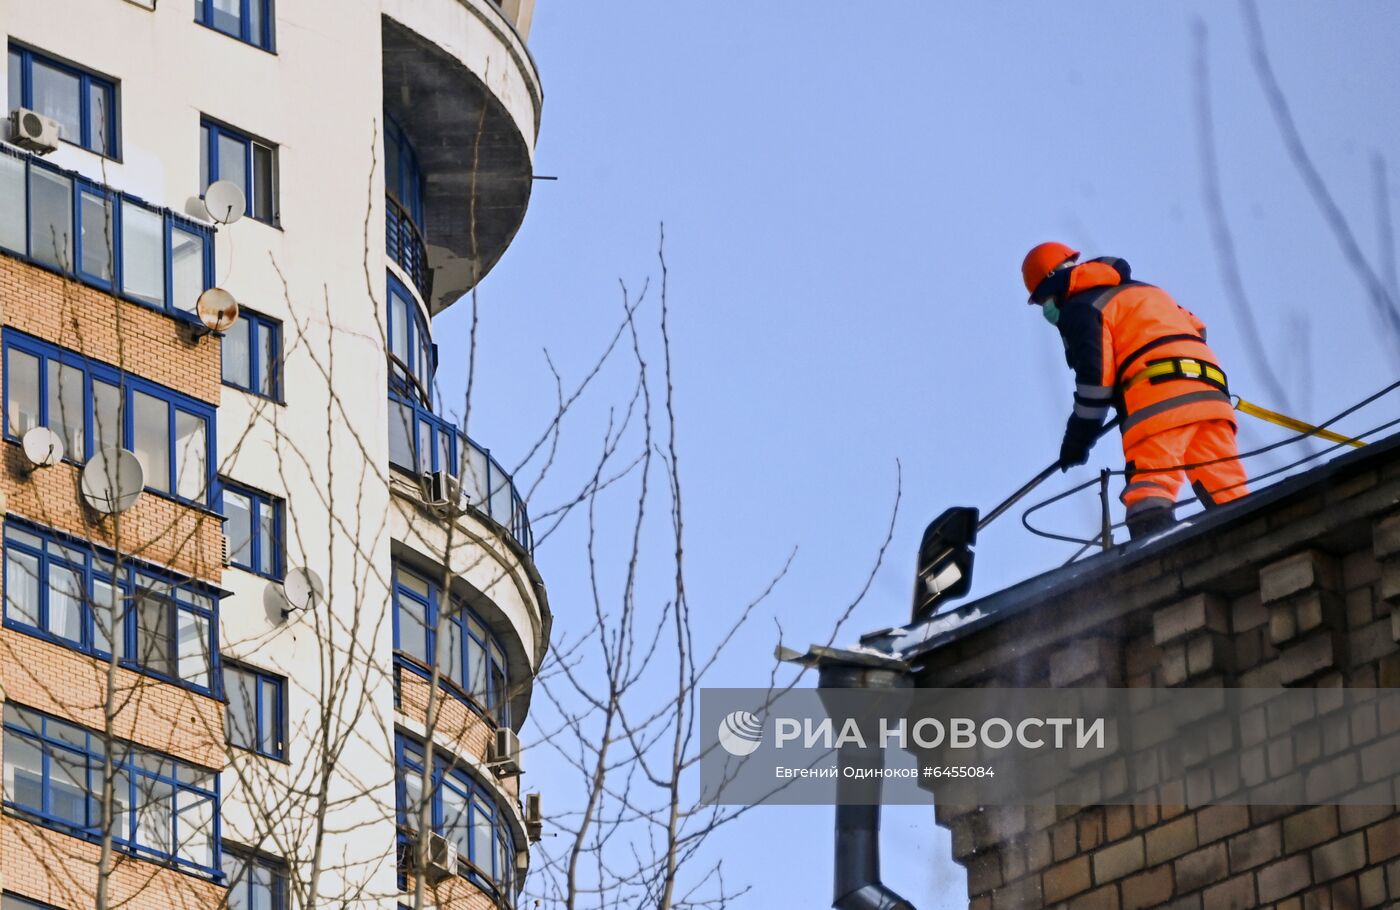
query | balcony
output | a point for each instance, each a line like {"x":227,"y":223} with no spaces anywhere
{"x":404,"y":244}
{"x":422,"y":443}
{"x":102,"y":237}
{"x":461,"y":87}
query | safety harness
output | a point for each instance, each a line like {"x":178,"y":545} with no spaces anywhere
{"x":1173,"y":368}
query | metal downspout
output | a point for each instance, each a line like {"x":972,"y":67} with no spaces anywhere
{"x":856,"y":876}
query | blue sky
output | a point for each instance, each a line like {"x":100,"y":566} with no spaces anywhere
{"x":847,"y":198}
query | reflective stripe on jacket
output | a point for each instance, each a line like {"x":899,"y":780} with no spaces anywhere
{"x":1112,"y":329}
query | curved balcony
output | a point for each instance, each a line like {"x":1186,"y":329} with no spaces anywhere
{"x":461,"y":86}
{"x":423,"y":443}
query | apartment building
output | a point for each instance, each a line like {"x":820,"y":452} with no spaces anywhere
{"x":288,"y":664}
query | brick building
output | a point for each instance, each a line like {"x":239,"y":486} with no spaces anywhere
{"x":293,"y":669}
{"x":1296,"y":586}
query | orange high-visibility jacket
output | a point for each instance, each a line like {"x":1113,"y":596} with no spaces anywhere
{"x":1114,"y":328}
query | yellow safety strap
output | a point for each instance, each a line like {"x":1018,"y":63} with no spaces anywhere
{"x":1181,"y":367}
{"x":1253,"y":410}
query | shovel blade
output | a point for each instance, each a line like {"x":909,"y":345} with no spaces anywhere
{"x":945,"y":560}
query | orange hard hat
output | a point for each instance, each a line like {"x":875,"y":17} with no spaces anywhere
{"x":1043,"y":259}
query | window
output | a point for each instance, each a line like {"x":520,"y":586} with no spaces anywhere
{"x":164,"y":809}
{"x":75,"y":594}
{"x":256,"y":716}
{"x":15,"y":902}
{"x":83,"y":103}
{"x":255,"y":881}
{"x":461,"y":810}
{"x":252,"y":355}
{"x":92,"y":405}
{"x":104,"y":238}
{"x":227,"y":154}
{"x":403,"y":209}
{"x":253,"y":526}
{"x":250,"y":21}
{"x":403,"y":180}
{"x":412,"y":354}
{"x":468,"y":654}
{"x":420,"y":441}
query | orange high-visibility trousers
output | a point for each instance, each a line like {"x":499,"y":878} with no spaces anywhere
{"x":1148,"y":487}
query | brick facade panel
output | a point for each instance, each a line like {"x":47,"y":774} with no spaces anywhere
{"x":106,"y":328}
{"x":60,"y":870}
{"x":155,"y":530}
{"x":51,"y":678}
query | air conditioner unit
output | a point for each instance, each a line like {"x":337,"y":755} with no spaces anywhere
{"x":33,"y":131}
{"x":441,"y":489}
{"x":225,"y":556}
{"x":505,"y":752}
{"x":534,"y":817}
{"x":442,"y":858}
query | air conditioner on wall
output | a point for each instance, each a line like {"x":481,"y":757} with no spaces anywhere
{"x":534,"y":817}
{"x":442,"y":858}
{"x":505,"y":752}
{"x":441,"y":490}
{"x":32,"y":131}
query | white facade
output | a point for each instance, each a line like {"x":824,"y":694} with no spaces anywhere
{"x":319,"y":98}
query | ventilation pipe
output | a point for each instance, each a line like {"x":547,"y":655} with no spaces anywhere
{"x":856,"y":879}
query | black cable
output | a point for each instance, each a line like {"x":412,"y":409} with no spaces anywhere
{"x":1084,"y":544}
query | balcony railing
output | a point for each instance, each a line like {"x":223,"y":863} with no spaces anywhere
{"x":421,"y":442}
{"x":404,"y":244}
{"x":102,"y":237}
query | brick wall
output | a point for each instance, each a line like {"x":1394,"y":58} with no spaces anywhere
{"x":1302,"y":590}
{"x":38,"y":863}
{"x":46,"y":866}
{"x":454,"y":893}
{"x":107,"y":328}
{"x":56,"y":680}
{"x":468,"y":732}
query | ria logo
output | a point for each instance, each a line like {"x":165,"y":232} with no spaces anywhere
{"x":740,"y":733}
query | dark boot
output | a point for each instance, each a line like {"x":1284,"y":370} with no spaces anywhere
{"x":1149,"y":522}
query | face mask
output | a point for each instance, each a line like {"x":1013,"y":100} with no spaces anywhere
{"x":1050,"y":311}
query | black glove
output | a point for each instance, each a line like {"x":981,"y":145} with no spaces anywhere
{"x":1080,"y":435}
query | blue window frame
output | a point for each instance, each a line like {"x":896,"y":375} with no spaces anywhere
{"x":429,"y":629}
{"x":412,"y":354}
{"x":461,"y":810}
{"x":92,"y":406}
{"x":253,"y":525}
{"x":107,"y":239}
{"x":420,"y":442}
{"x":256,"y":881}
{"x":226,"y":153}
{"x":67,"y":591}
{"x":256,"y":716}
{"x":83,"y":103}
{"x":403,"y":178}
{"x":250,"y":21}
{"x":403,"y":208}
{"x":252,"y":355}
{"x":164,"y":809}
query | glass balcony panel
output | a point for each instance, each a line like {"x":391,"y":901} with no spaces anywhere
{"x":143,"y":260}
{"x":186,"y":268}
{"x":51,"y":218}
{"x":12,"y":196}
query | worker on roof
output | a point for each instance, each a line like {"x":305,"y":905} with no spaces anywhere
{"x":1133,"y":347}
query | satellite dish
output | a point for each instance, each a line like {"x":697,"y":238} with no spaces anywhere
{"x":112,"y":481}
{"x":43,"y":447}
{"x":303,"y":589}
{"x":225,"y":202}
{"x":217,"y":309}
